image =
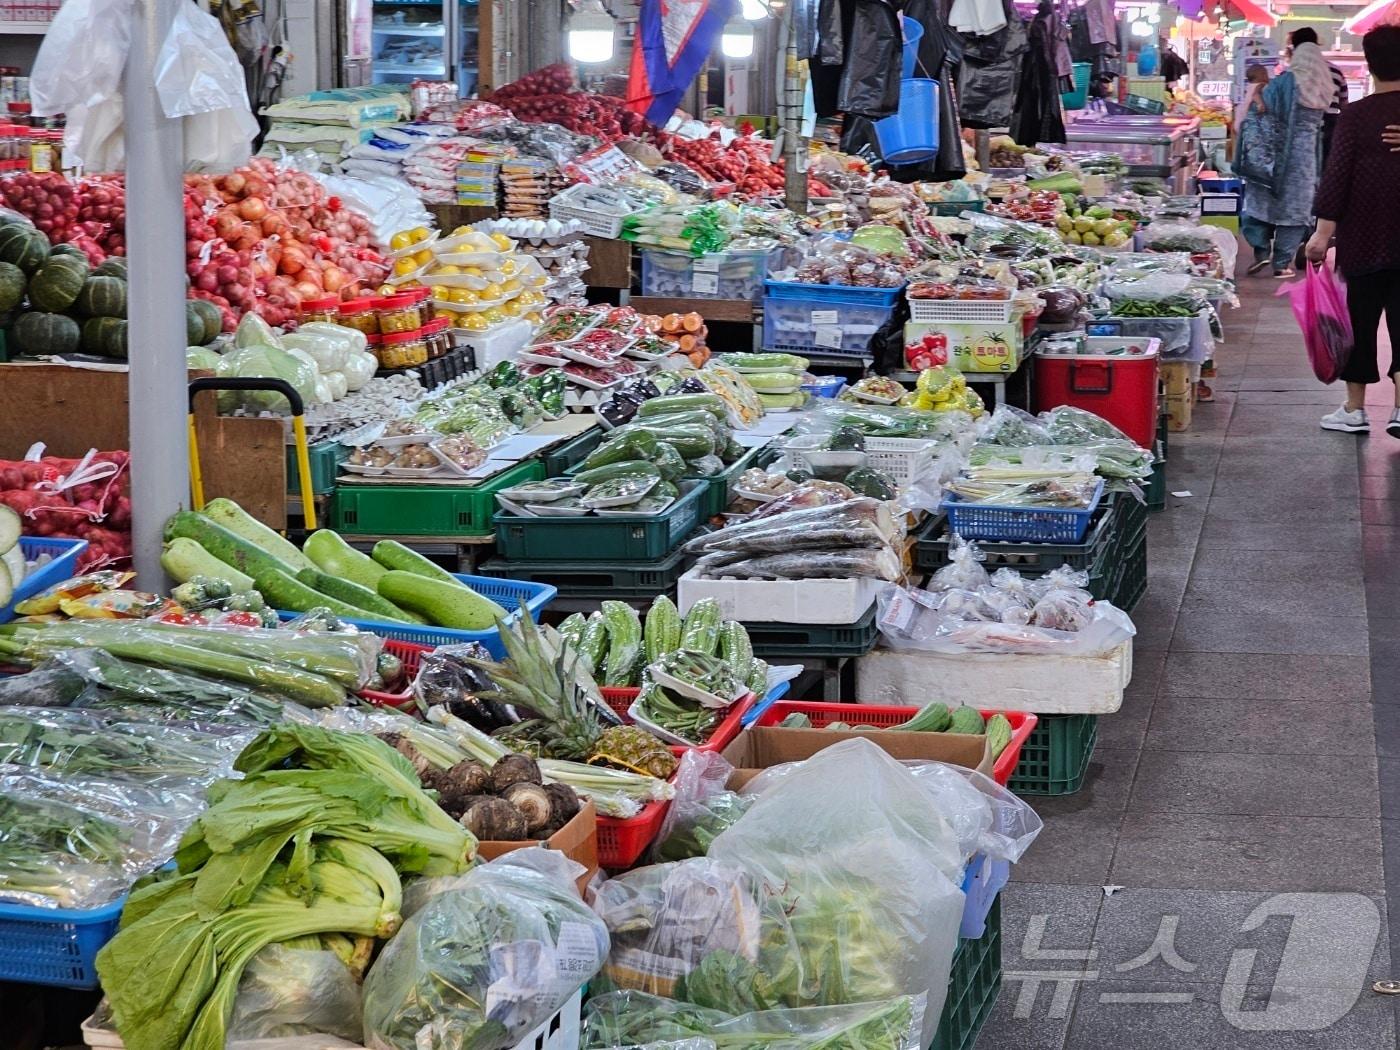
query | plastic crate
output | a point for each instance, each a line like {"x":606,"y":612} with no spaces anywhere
{"x":933,"y":544}
{"x":643,"y":537}
{"x":412,"y":656}
{"x":903,"y":459}
{"x":822,"y":714}
{"x":55,"y":946}
{"x":808,"y":639}
{"x":425,"y":510}
{"x":720,"y":488}
{"x":983,"y":521}
{"x":961,"y":311}
{"x":983,"y":879}
{"x":454,"y":364}
{"x":509,"y":594}
{"x":621,"y":843}
{"x":598,"y":579}
{"x":63,"y":563}
{"x":952,"y":209}
{"x":620,"y":698}
{"x":1117,"y":387}
{"x":1056,"y":755}
{"x":973,"y":985}
{"x":733,"y":274}
{"x":563,"y":458}
{"x":325,"y":458}
{"x":824,"y":319}
{"x":1156,"y":490}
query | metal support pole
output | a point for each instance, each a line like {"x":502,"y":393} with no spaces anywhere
{"x":794,"y":145}
{"x":156,"y":298}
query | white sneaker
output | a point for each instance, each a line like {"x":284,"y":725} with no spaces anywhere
{"x":1347,"y":420}
{"x":1393,"y":427}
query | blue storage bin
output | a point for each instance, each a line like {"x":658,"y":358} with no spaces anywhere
{"x":64,"y":563}
{"x":825,"y":386}
{"x":511,"y":595}
{"x":733,"y":274}
{"x":55,"y":946}
{"x":986,"y":521}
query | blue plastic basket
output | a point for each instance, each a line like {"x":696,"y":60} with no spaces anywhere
{"x":910,"y":136}
{"x":825,"y":386}
{"x":64,"y":563}
{"x":984,"y":521}
{"x":983,"y":879}
{"x":1079,"y":97}
{"x":839,"y":294}
{"x":509,"y":594}
{"x":54,"y":946}
{"x":913,"y":33}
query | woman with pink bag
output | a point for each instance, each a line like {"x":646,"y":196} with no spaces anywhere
{"x":1358,"y":202}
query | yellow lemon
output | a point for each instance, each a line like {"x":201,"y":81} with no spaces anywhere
{"x":475,"y":323}
{"x":461,"y":230}
{"x":441,"y":291}
{"x":387,"y":289}
{"x":508,"y":266}
{"x":502,"y":241}
{"x":511,"y":285}
{"x":404,"y":266}
{"x":533,"y":318}
{"x":512,"y":308}
{"x":462,"y":295}
{"x":493,"y":315}
{"x":399,"y":241}
{"x":423,"y":258}
{"x":448,"y":270}
{"x":419,"y":233}
{"x":472,"y":271}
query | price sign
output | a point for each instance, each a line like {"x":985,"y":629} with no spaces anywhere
{"x":825,"y":317}
{"x":828,"y":336}
{"x":705,"y":283}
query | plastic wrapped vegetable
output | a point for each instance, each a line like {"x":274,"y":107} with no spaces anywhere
{"x":483,"y":963}
{"x":266,"y":362}
{"x":290,"y":991}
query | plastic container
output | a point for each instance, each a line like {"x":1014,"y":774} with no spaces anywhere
{"x":984,"y":521}
{"x":511,"y":595}
{"x":360,"y":315}
{"x":621,"y":698}
{"x":733,"y":274}
{"x":398,"y":314}
{"x":1056,"y":755}
{"x":638,"y":581}
{"x":325,"y":458}
{"x":821,"y":319}
{"x":933,"y":544}
{"x":621,"y":843}
{"x":437,"y":338}
{"x":64,"y":563}
{"x":55,"y":947}
{"x":967,"y":311}
{"x":913,"y":33}
{"x":910,"y":136}
{"x":1079,"y":97}
{"x":779,"y":641}
{"x":326,"y":308}
{"x":822,"y":714}
{"x":426,"y":510}
{"x":411,"y":654}
{"x":903,"y":459}
{"x":1122,"y":389}
{"x":406,"y":349}
{"x":648,"y":537}
{"x":973,"y":985}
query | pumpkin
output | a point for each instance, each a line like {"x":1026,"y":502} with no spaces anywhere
{"x":56,"y":286}
{"x":103,"y":296}
{"x":213,"y":321}
{"x":44,"y":333}
{"x":67,"y":249}
{"x":112,"y":267}
{"x":12,"y":286}
{"x":105,"y":336}
{"x":23,"y":246}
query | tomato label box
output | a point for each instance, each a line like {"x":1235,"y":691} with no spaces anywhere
{"x":973,"y":347}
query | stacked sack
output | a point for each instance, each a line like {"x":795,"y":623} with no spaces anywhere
{"x":387,"y":151}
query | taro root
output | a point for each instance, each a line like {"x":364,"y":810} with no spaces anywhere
{"x":459,"y":783}
{"x":494,"y":819}
{"x":533,"y":801}
{"x":514,"y":769}
{"x":416,"y":758}
{"x":563,"y":802}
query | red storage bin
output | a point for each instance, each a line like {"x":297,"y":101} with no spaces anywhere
{"x":1122,"y":388}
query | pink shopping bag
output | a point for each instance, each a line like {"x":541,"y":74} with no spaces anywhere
{"x":1319,"y":304}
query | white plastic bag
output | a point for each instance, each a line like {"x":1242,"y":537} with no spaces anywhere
{"x":82,"y":58}
{"x":987,"y":817}
{"x":196,"y":70}
{"x":292,"y":991}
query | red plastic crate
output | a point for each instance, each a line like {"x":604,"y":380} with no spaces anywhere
{"x":411,"y":655}
{"x":886,"y":716}
{"x":621,"y":843}
{"x":620,"y":698}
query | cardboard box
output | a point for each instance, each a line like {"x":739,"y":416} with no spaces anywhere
{"x":1176,"y":378}
{"x":577,"y":840}
{"x":1179,"y":408}
{"x":759,"y":747}
{"x":781,"y":601}
{"x":972,"y":347}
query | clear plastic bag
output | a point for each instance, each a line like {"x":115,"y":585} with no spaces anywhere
{"x":987,"y":818}
{"x":635,"y":1019}
{"x":701,"y":809}
{"x":482,"y":964}
{"x":964,"y":570}
{"x":296,"y":991}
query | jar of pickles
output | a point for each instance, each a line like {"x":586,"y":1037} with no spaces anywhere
{"x":438,"y":338}
{"x":325,"y":308}
{"x":403,"y":349}
{"x":398,"y":313}
{"x":423,"y":299}
{"x":360,"y":314}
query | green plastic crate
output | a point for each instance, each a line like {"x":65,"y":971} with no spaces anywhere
{"x":571,"y":453}
{"x":776,"y":640}
{"x":588,"y":579}
{"x":597,"y":538}
{"x":952,"y":209}
{"x":325,"y":458}
{"x":1132,"y":583}
{"x":721,"y":488}
{"x":933,"y":546}
{"x":426,"y":510}
{"x":1156,"y":492}
{"x":1056,"y":755}
{"x":973,"y":985}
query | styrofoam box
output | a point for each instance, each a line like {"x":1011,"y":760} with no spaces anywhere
{"x":560,"y":1032}
{"x":781,"y":601}
{"x":1039,"y":683}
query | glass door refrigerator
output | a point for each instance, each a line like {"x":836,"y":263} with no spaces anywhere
{"x":426,"y":40}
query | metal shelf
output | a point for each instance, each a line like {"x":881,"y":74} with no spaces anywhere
{"x":24,"y":28}
{"x":434,"y":30}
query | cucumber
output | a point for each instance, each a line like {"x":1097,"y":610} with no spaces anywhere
{"x":334,"y":556}
{"x":283,"y":592}
{"x":7,"y":587}
{"x":374,"y":607}
{"x":230,"y":548}
{"x":184,"y":559}
{"x":629,"y":468}
{"x":444,"y":604}
{"x":11,"y":525}
{"x":394,"y":555}
{"x":238,"y":521}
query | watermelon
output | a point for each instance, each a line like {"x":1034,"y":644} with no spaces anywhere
{"x":57,"y":284}
{"x":105,"y":336}
{"x":213,"y":320}
{"x":43,"y":333}
{"x":115,"y":266}
{"x":103,"y":296}
{"x":23,"y":246}
{"x":12,"y":286}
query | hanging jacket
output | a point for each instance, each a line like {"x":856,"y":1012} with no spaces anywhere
{"x":874,"y":60}
{"x":990,"y":72}
{"x":1037,"y":116}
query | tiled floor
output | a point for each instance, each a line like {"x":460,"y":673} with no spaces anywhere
{"x":1221,"y":880}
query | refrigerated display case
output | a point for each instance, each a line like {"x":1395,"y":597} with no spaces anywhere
{"x":427,"y":40}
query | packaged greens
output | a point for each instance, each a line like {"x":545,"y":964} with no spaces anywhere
{"x":289,"y":991}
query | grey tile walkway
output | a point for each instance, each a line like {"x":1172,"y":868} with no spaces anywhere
{"x":1221,"y":881}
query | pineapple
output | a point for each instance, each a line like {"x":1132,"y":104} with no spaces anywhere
{"x":634,"y":749}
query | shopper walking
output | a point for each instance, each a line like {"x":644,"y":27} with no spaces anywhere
{"x":1358,"y":203}
{"x":1278,"y":212}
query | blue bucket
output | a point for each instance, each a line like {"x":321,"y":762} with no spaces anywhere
{"x":1079,"y":97}
{"x":913,"y":33}
{"x":911,"y":135}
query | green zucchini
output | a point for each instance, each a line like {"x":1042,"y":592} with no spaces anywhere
{"x":230,"y":548}
{"x":372,"y":606}
{"x":445,"y":604}
{"x":394,"y":555}
{"x":284,"y":592}
{"x":238,"y":521}
{"x":332,"y":555}
{"x":184,"y":559}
